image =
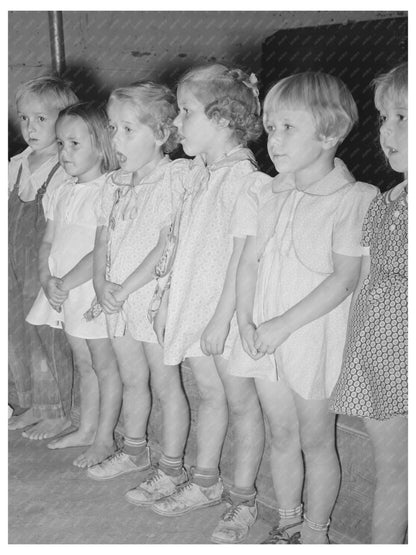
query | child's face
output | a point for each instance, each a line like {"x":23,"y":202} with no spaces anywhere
{"x":37,"y":119}
{"x":292,"y":141}
{"x":198,"y":134}
{"x":134,"y":142}
{"x":393,"y":134}
{"x":77,"y":152}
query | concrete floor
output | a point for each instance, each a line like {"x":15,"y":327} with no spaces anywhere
{"x":53,"y":502}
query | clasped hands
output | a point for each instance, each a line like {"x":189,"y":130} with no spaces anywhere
{"x":264,"y":339}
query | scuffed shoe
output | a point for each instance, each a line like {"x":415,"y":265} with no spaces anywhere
{"x":281,"y":534}
{"x":118,"y":464}
{"x":187,"y":498}
{"x":235,"y":524}
{"x":158,"y":485}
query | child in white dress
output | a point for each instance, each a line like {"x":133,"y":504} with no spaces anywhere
{"x":138,"y":205}
{"x":65,"y":266}
{"x":219,"y":114}
{"x":303,"y":251}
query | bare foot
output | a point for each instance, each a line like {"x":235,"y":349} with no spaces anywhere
{"x":25,"y":419}
{"x":49,"y":427}
{"x":94,"y":455}
{"x":78,"y":438}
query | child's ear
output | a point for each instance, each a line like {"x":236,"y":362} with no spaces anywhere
{"x":330,"y":142}
{"x":163,"y":136}
{"x":223,"y":123}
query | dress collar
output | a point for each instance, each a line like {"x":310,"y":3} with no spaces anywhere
{"x":335,"y":180}
{"x":237,"y":154}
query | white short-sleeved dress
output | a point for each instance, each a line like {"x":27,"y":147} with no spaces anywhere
{"x":134,"y":216}
{"x":74,"y":209}
{"x":297,"y":231}
{"x":204,"y":250}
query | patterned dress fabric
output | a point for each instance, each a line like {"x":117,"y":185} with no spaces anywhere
{"x":373,"y":382}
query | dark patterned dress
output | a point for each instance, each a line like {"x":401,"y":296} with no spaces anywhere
{"x":373,"y":380}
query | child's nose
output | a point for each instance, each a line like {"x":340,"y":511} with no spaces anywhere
{"x":176,"y":121}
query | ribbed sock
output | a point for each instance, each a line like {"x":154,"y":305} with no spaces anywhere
{"x":134,"y":446}
{"x":314,"y":533}
{"x":172,"y":466}
{"x":291,"y":516}
{"x":205,"y":477}
{"x":243,"y":495}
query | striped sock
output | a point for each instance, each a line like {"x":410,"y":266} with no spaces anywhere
{"x":172,"y":466}
{"x":291,"y":516}
{"x":314,"y":533}
{"x":205,"y":477}
{"x":134,"y":446}
{"x":243,"y":495}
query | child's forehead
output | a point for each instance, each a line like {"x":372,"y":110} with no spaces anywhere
{"x":187,"y":93}
{"x":37,"y":102}
{"x":123,"y":108}
{"x":284,"y":111}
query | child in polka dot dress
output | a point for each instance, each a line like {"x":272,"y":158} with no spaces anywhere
{"x":373,"y":381}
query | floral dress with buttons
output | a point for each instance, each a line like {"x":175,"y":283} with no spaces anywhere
{"x":373,"y":382}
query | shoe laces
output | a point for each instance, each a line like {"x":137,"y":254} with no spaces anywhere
{"x":115,"y":456}
{"x":154,"y":476}
{"x":181,"y":490}
{"x":280,"y":534}
{"x":231,"y":512}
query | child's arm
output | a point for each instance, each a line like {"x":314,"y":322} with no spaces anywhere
{"x":324,"y":298}
{"x":215,"y":334}
{"x":144,"y":273}
{"x":246,"y":288}
{"x":159,"y":322}
{"x":103,"y":289}
{"x":79,"y":274}
{"x":50,"y":284}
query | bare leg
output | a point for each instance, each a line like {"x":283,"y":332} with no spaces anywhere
{"x":109,"y":386}
{"x":89,"y":398}
{"x":248,"y":426}
{"x":134,"y":372}
{"x":212,"y":412}
{"x":317,"y":434}
{"x":389,"y":438}
{"x":175,"y":409}
{"x":286,"y":455}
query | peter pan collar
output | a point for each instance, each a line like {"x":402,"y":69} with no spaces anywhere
{"x":335,"y":180}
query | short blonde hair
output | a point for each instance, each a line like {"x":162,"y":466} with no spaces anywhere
{"x":325,"y":96}
{"x":392,"y":85}
{"x":57,"y":90}
{"x":230,"y":94}
{"x":155,"y":106}
{"x":95,"y":118}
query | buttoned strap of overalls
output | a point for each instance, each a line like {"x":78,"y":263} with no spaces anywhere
{"x":41,"y":192}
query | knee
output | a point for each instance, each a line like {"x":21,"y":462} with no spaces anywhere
{"x":284,"y":438}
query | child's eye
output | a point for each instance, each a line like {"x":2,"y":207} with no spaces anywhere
{"x":111,"y":128}
{"x":402,"y":117}
{"x":59,"y":143}
{"x":75,"y":143}
{"x":42,"y":118}
{"x":287,"y":126}
{"x":22,"y":117}
{"x":269,"y":128}
{"x":128,"y":129}
{"x":382,"y":118}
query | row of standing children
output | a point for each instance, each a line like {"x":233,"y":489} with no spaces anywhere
{"x":283,"y":253}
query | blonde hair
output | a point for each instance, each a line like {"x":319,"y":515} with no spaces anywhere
{"x":155,"y":106}
{"x":58,"y":91}
{"x":229,"y":94}
{"x":325,"y":96}
{"x":392,"y":84}
{"x":95,"y":118}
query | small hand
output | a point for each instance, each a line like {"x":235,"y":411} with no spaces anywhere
{"x":106,"y":297}
{"x":214,"y":336}
{"x":247,"y":334}
{"x":271,"y":334}
{"x":54,"y":292}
